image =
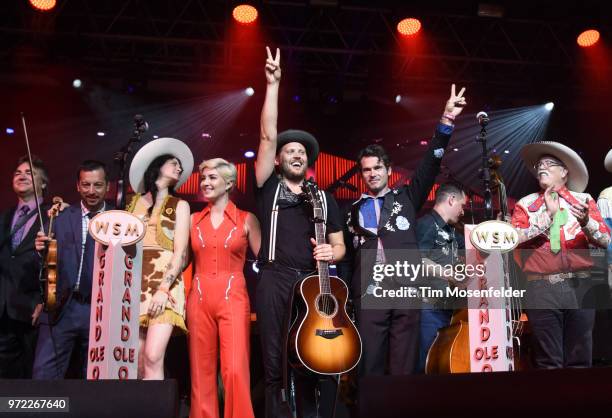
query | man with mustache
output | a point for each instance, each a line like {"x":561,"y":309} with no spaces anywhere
{"x":287,"y":245}
{"x":20,"y":293}
{"x":382,"y":227}
{"x":556,"y":226}
{"x":69,"y":329}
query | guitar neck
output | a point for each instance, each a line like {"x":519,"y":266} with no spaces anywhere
{"x":322,"y":266}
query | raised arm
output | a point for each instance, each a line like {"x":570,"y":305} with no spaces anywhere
{"x":264,"y":166}
{"x":429,"y":167}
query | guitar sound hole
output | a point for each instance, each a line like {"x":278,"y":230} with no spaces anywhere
{"x":327,"y":305}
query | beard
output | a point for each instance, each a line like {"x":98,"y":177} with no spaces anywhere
{"x":290,"y":174}
{"x":378,"y":187}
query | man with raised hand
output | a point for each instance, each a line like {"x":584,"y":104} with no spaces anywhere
{"x":288,"y":249}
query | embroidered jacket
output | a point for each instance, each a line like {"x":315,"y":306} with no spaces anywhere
{"x":396,"y":227}
{"x":534,"y":254}
{"x":604,"y":203}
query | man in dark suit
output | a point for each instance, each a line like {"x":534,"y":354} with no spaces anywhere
{"x":20,"y":293}
{"x":75,"y":248}
{"x":382,"y":228}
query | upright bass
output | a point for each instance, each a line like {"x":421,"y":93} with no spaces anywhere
{"x":450,"y":351}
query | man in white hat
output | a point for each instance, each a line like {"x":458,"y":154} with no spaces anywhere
{"x":604,"y":203}
{"x":556,"y":226}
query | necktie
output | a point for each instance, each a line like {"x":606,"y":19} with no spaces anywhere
{"x":559,"y":220}
{"x":87,"y":263}
{"x":18,"y":235}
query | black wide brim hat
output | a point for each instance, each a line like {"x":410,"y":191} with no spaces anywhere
{"x":302,"y":137}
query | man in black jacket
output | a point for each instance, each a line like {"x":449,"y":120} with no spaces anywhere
{"x":20,"y":292}
{"x":382,"y":228}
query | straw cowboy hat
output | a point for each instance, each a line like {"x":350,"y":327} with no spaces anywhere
{"x":302,"y":137}
{"x":608,"y":161}
{"x":578,"y":175}
{"x":145,"y":156}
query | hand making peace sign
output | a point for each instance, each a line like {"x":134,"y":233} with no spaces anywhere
{"x":273,"y":70}
{"x":456,"y":102}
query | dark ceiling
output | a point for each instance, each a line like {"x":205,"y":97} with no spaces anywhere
{"x":176,"y":62}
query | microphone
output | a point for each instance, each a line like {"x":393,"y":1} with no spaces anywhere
{"x":483,"y":118}
{"x":140,"y":124}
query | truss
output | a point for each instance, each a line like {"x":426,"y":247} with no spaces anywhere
{"x":193,"y":40}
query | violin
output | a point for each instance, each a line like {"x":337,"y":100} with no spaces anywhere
{"x":50,"y":264}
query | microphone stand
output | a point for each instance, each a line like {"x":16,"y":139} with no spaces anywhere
{"x":485,"y":170}
{"x":121,"y":158}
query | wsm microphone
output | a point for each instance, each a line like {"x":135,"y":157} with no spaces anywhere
{"x":483,"y":118}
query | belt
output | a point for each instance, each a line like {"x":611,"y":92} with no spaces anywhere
{"x":80,"y":298}
{"x":272,"y":265}
{"x":558,"y":277}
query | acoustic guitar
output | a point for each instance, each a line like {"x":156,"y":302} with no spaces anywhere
{"x":322,"y":339}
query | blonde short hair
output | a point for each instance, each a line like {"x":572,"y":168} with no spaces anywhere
{"x":226,"y":169}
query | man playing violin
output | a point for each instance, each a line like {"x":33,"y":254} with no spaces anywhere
{"x":20,"y":296}
{"x":68,"y":327}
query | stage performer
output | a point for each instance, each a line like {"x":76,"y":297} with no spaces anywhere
{"x":556,"y":226}
{"x":20,"y":293}
{"x":157,"y":170}
{"x":287,"y":241}
{"x":61,"y":333}
{"x":218,"y":309}
{"x":440,"y":244}
{"x":604,"y":203}
{"x":381,"y":225}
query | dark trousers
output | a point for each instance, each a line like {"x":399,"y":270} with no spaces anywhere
{"x":432,"y":320}
{"x":562,"y":331}
{"x":274,"y":295}
{"x":56,"y":342}
{"x":389,"y":337}
{"x":17,"y":343}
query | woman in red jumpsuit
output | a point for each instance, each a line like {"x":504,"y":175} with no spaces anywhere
{"x":218,"y":311}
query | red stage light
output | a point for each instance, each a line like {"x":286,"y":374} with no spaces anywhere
{"x":245,"y":14}
{"x":43,"y":5}
{"x":588,"y":38}
{"x":409,"y":26}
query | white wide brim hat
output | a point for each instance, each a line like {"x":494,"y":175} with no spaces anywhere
{"x":578,"y":175}
{"x":608,"y":161}
{"x":145,"y":156}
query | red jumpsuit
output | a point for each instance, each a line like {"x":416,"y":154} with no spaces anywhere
{"x":218,"y":315}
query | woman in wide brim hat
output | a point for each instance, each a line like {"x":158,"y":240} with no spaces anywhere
{"x":157,"y":170}
{"x":578,"y":175}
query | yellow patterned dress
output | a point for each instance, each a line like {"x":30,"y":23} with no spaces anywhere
{"x":157,"y":254}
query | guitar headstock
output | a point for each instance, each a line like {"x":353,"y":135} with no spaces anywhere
{"x":310,"y":191}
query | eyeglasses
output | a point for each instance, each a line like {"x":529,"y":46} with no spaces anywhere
{"x":546,"y":164}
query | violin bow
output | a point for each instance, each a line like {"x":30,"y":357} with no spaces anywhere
{"x":25,"y":131}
